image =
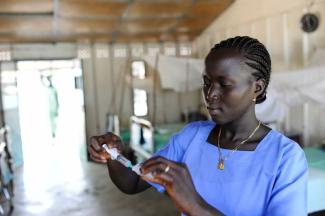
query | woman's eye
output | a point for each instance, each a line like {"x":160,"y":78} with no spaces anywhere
{"x":206,"y":84}
{"x":224,"y":84}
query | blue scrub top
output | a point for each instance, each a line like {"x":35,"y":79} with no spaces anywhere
{"x":272,"y":180}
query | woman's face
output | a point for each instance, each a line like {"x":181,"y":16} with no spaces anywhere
{"x":228,"y":86}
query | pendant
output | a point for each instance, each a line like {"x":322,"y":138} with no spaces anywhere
{"x":221,"y":164}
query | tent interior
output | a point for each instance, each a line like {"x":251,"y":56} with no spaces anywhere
{"x":72,"y":69}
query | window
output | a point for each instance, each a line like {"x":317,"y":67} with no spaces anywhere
{"x":140,"y":99}
{"x":170,"y":50}
{"x":153,"y":51}
{"x":5,"y":55}
{"x":138,"y":70}
{"x":120,"y":52}
{"x":185,"y":50}
{"x":140,"y":103}
{"x":84,"y":53}
{"x":102,"y":52}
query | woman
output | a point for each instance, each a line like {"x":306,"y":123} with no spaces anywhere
{"x":233,"y":165}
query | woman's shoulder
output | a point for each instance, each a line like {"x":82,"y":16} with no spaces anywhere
{"x":282,"y":151}
{"x":194,"y":130}
{"x":197,"y":126}
{"x":200,"y":124}
{"x":284,"y":144}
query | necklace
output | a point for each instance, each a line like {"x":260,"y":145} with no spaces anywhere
{"x":221,"y":163}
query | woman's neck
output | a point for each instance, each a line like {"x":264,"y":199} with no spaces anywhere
{"x":241,"y":128}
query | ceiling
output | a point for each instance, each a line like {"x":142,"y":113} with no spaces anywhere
{"x":106,"y":20}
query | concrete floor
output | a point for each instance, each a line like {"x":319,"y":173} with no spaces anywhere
{"x":84,"y":192}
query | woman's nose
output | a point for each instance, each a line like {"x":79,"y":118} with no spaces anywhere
{"x":213,"y":93}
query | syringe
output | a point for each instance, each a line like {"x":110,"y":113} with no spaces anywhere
{"x":115,"y":155}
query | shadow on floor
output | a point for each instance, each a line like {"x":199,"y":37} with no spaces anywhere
{"x":88,"y":192}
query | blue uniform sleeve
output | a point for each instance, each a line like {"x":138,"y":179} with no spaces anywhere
{"x":176,"y":147}
{"x":289,"y":194}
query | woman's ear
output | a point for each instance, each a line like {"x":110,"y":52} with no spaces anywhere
{"x":259,"y":87}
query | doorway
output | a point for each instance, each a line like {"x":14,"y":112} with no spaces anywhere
{"x":52,"y":120}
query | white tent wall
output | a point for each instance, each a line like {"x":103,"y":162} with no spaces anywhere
{"x":277,"y":25}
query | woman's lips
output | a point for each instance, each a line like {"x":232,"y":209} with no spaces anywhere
{"x":214,"y":110}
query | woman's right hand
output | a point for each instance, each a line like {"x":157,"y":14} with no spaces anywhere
{"x":96,"y":151}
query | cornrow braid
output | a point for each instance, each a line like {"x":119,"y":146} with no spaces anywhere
{"x":256,"y":55}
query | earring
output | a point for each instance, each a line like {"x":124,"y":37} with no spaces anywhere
{"x":254,"y":100}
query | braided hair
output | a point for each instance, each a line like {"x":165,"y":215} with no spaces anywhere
{"x":256,"y":57}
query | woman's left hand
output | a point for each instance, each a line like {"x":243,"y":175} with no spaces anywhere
{"x":177,"y":181}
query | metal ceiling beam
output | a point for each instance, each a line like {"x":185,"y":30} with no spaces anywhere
{"x":26,"y":14}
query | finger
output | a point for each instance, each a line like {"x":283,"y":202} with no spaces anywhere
{"x":96,"y":142}
{"x":117,"y":145}
{"x":105,"y":155}
{"x":109,"y":138}
{"x":99,"y":155}
{"x":115,"y":138}
{"x":92,"y":151}
{"x":113,"y":141}
{"x":151,"y":160}
{"x":97,"y":160}
{"x":153,"y":180}
{"x":112,"y":138}
{"x":154,"y":167}
{"x":159,"y":171}
{"x":163,"y":179}
{"x":162,"y":160}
